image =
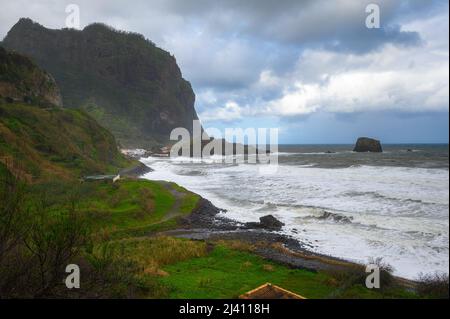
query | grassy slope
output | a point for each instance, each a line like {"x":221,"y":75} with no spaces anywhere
{"x":51,"y":142}
{"x":127,"y":208}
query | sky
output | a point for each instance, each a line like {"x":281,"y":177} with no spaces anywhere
{"x":308,"y":67}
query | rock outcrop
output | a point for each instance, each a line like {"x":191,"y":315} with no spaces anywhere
{"x":268,"y":222}
{"x":22,"y":81}
{"x":123,"y":80}
{"x":365,"y":144}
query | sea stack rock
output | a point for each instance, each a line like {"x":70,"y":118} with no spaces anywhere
{"x":365,"y":144}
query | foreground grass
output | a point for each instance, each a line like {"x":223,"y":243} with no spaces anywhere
{"x":228,"y":273}
{"x":178,"y":268}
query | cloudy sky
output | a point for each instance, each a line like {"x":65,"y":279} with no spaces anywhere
{"x":308,"y":67}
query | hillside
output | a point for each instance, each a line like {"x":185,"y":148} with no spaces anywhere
{"x":22,"y":81}
{"x":38,"y":138}
{"x":124,"y":81}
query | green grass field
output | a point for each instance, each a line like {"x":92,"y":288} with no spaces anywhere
{"x":228,"y":273}
{"x":127,"y":208}
{"x":178,"y":268}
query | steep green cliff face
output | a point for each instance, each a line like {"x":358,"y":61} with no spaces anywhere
{"x":123,"y":80}
{"x":41,"y":140}
{"x":22,"y":81}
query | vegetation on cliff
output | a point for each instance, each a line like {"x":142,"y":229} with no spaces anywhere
{"x":22,"y":81}
{"x":41,"y":143}
{"x":124,"y":81}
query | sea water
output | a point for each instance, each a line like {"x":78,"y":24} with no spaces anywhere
{"x":393,"y":205}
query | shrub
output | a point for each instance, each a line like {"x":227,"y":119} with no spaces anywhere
{"x":435,"y":286}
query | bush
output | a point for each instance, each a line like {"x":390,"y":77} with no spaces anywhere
{"x":435,"y":286}
{"x":36,"y":244}
{"x":355,"y":275}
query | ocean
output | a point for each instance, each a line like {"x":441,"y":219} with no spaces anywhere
{"x":354,"y":206}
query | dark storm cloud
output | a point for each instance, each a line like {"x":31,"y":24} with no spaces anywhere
{"x":288,"y":59}
{"x":339,"y":24}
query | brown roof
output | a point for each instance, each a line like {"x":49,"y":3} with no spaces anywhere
{"x":269,"y":291}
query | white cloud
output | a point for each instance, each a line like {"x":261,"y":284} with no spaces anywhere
{"x":231,"y":111}
{"x":396,"y":79}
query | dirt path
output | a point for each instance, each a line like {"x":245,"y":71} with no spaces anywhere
{"x":175,"y":211}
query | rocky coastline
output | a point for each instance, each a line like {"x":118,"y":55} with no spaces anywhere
{"x":206,"y":223}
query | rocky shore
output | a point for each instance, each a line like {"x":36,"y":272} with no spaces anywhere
{"x":205,"y":224}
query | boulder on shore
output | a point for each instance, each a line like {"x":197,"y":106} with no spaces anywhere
{"x":365,"y":144}
{"x":266,"y":222}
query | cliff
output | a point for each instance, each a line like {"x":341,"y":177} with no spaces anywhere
{"x":41,"y":140}
{"x":22,"y":81}
{"x":124,"y":81}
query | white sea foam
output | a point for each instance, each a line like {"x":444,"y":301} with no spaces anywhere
{"x":398,"y":213}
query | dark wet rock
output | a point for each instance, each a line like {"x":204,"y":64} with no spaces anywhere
{"x":336,"y":217}
{"x":365,"y":144}
{"x":135,"y":171}
{"x":270,"y":222}
{"x":266,"y":222}
{"x":205,"y":216}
